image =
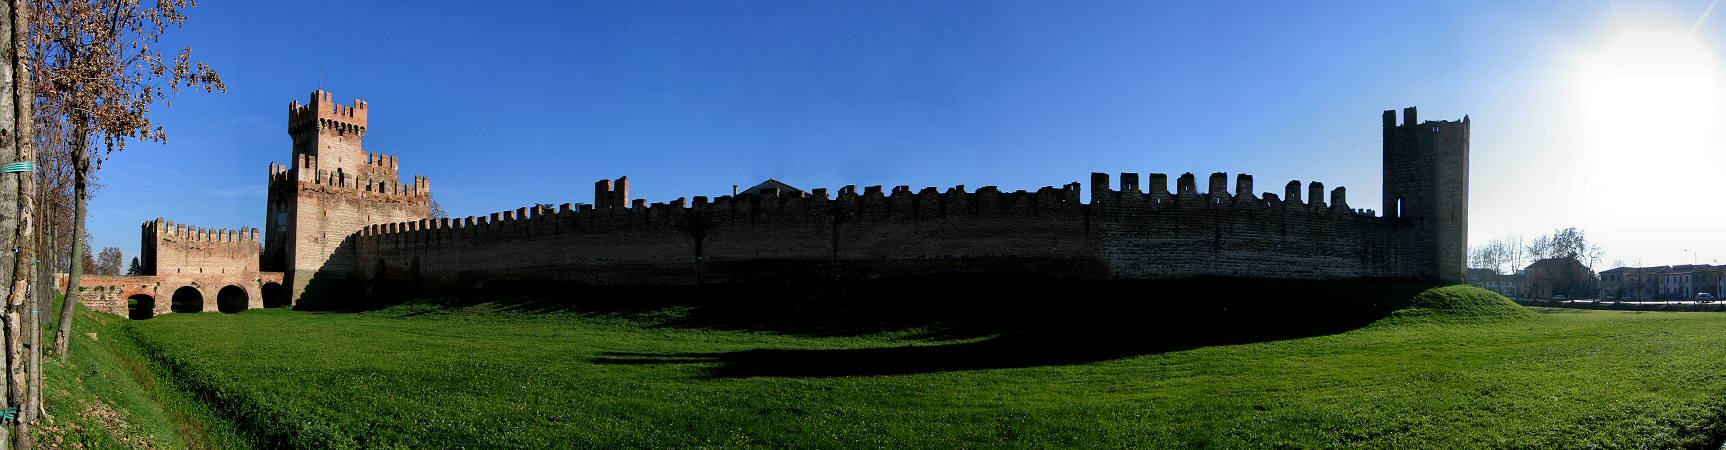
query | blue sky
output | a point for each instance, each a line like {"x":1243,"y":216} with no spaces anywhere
{"x":510,"y":104}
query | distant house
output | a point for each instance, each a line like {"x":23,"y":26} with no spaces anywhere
{"x":1506,"y":285}
{"x":771,"y":184}
{"x":1720,"y":286}
{"x":1560,"y":276}
{"x":1695,"y":279}
{"x":1709,"y":279}
{"x":1622,"y":283}
{"x":1680,"y":282}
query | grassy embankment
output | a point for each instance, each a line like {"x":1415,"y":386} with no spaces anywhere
{"x":108,"y":395}
{"x":1459,"y":367}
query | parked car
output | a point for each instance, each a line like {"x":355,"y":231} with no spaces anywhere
{"x":1704,"y":297}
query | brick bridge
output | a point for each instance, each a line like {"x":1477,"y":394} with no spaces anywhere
{"x":186,"y":269}
{"x":146,"y":296}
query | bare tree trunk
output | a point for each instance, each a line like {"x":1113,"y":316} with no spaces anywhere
{"x":68,"y":307}
{"x":16,"y":193}
{"x":40,"y":300}
{"x":24,"y":116}
{"x":10,"y":222}
{"x":80,"y":198}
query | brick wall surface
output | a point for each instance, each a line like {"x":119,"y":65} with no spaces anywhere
{"x":1049,"y":232}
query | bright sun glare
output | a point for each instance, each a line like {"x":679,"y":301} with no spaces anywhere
{"x":1651,"y":103}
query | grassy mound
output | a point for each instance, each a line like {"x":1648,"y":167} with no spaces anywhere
{"x":1459,"y":304}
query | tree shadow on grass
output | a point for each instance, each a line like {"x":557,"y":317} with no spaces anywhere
{"x":985,"y":322}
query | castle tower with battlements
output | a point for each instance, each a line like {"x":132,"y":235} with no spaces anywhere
{"x":1426,"y":183}
{"x":332,"y":187}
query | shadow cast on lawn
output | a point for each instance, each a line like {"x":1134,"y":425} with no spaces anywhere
{"x":954,"y":322}
{"x":1028,"y":324}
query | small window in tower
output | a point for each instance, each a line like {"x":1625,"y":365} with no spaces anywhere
{"x":1399,"y":207}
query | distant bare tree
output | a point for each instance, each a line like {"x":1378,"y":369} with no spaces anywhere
{"x":1593,"y":255}
{"x":1566,"y":243}
{"x":1493,"y":255}
{"x":437,"y":211}
{"x":1518,"y":253}
{"x":1477,"y":257}
{"x":108,"y":261}
{"x":1569,"y":243}
{"x":88,"y":259}
{"x":1540,"y":248}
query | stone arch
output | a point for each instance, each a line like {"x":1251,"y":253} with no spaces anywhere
{"x":140,"y":306}
{"x":232,"y":299}
{"x":275,"y":295}
{"x":187,"y":299}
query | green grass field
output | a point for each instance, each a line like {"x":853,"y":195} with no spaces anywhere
{"x":1458,"y":368}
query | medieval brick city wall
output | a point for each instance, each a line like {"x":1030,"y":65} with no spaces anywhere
{"x":1122,"y":233}
{"x":740,"y":238}
{"x":340,"y":213}
{"x":1154,"y":233}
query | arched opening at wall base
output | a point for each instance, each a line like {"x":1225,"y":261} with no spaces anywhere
{"x":276,"y":296}
{"x":232,"y":299}
{"x":187,"y":299}
{"x":140,"y":307}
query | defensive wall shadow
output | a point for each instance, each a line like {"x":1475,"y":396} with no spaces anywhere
{"x":961,"y":322}
{"x":1043,"y":323}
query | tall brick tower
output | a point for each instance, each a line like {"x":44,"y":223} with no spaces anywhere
{"x":1426,"y":182}
{"x":331,"y":189}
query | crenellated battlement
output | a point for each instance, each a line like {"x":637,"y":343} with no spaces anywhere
{"x":380,"y":161}
{"x":874,"y":204}
{"x":167,"y":228}
{"x":323,"y":113}
{"x":900,"y":204}
{"x":306,"y":174}
{"x":1186,"y":194}
{"x":1133,"y":231}
{"x":170,"y":247}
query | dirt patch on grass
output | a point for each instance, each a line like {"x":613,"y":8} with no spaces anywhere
{"x":55,"y":434}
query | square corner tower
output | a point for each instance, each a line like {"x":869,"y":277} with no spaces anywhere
{"x":331,"y":189}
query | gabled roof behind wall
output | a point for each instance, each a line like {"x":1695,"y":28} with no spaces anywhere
{"x":772,"y":184}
